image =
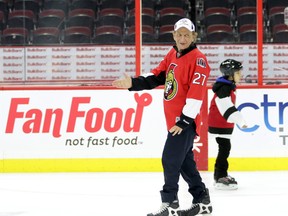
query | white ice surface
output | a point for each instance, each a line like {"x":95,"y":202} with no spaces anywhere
{"x":134,"y":194}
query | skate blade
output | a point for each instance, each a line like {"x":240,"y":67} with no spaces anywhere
{"x":226,"y":187}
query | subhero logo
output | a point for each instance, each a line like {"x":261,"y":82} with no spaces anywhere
{"x":267,"y":107}
{"x":51,"y":120}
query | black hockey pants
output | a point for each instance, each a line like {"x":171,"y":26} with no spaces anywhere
{"x":178,"y":158}
{"x":221,"y":164}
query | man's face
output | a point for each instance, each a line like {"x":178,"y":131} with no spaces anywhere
{"x":183,"y":38}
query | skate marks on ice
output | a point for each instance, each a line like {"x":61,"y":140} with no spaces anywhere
{"x":123,"y":194}
{"x":258,"y":194}
{"x":11,"y":213}
{"x":74,"y":194}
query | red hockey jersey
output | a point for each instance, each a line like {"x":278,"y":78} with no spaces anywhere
{"x":222,"y":111}
{"x":185,"y":83}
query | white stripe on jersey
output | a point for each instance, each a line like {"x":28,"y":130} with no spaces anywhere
{"x":223,"y":105}
{"x":237,"y":118}
{"x":192,"y":107}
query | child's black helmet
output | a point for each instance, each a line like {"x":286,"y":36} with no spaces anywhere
{"x":230,"y":66}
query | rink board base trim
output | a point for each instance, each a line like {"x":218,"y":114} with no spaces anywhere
{"x":81,"y":165}
{"x":253,"y":164}
{"x":129,"y":165}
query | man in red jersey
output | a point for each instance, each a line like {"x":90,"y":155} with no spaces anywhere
{"x":184,"y":71}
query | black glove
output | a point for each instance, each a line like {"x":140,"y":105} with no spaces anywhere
{"x":184,"y":121}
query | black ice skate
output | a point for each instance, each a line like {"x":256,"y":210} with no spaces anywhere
{"x":226,"y":183}
{"x":168,"y":209}
{"x":203,"y":207}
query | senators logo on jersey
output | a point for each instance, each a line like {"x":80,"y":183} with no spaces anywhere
{"x":170,"y":84}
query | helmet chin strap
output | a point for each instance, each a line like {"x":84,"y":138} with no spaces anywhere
{"x":231,"y":78}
